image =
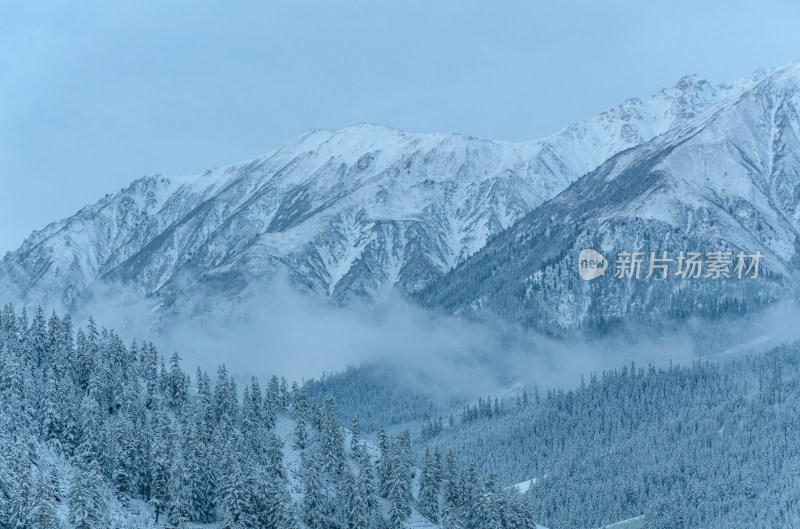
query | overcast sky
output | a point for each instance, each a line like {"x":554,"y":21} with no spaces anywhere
{"x":94,"y":95}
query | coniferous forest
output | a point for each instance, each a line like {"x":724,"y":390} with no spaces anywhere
{"x":99,"y":433}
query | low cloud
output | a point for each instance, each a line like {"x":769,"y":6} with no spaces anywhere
{"x":301,"y":336}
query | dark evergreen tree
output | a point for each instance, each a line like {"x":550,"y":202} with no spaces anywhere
{"x":331,"y":439}
{"x":42,"y":505}
{"x":400,"y":497}
{"x":450,"y":517}
{"x":315,"y":506}
{"x":175,"y":384}
{"x":429,"y":489}
{"x":272,"y":402}
{"x":355,"y":437}
{"x":367,"y":490}
{"x":87,"y":508}
{"x":384,"y":463}
{"x":161,"y":460}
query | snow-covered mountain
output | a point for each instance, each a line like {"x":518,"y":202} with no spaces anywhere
{"x":727,"y":180}
{"x":352,"y":213}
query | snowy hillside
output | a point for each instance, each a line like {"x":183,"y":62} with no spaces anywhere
{"x":96,"y":435}
{"x":727,"y":180}
{"x":347,"y":214}
{"x":705,"y":445}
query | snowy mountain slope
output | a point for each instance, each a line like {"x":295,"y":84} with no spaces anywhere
{"x":642,"y":446}
{"x":727,"y":180}
{"x":130,"y":513}
{"x":348,"y":214}
{"x":96,"y":436}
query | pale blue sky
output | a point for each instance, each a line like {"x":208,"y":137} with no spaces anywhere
{"x":96,"y":94}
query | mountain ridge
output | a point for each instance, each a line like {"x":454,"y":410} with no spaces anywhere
{"x":350,"y":214}
{"x":727,"y":180}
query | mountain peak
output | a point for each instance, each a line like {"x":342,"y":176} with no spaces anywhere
{"x":726,"y":179}
{"x":349,"y":213}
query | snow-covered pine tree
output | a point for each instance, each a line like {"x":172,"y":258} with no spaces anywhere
{"x":300,"y":433}
{"x":67,"y":343}
{"x":290,"y":519}
{"x":428,"y":502}
{"x":15,"y":397}
{"x":346,"y":502}
{"x":451,"y":485}
{"x":124,"y":455}
{"x":483,"y":507}
{"x":42,"y":509}
{"x":176,"y":390}
{"x":314,"y":500}
{"x":180,"y":492}
{"x":270,"y":497}
{"x":300,"y":404}
{"x":450,"y":517}
{"x":232,"y":493}
{"x":515,"y":511}
{"x":92,"y":439}
{"x":331,"y":439}
{"x":88,"y":355}
{"x":160,"y":460}
{"x":87,"y":508}
{"x":15,"y":478}
{"x":436,"y":469}
{"x":272,"y":402}
{"x":400,"y":497}
{"x":226,"y":403}
{"x":470,"y":492}
{"x":150,"y":371}
{"x":37,"y":338}
{"x":52,"y":410}
{"x":365,"y":487}
{"x":384,"y":463}
{"x":355,"y":437}
{"x":284,"y":402}
{"x":200,"y":470}
{"x":253,"y":427}
{"x":316,"y":415}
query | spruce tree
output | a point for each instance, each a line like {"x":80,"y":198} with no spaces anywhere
{"x":272,"y":402}
{"x":384,"y":464}
{"x":429,"y":490}
{"x":233,"y":494}
{"x":92,"y":438}
{"x":179,"y":508}
{"x":450,"y":518}
{"x":451,"y":487}
{"x":300,"y":433}
{"x":332,"y":441}
{"x":87,"y":508}
{"x":125,"y":463}
{"x":42,"y":506}
{"x":355,"y":437}
{"x":37,"y":338}
{"x":175,"y":384}
{"x":365,"y":487}
{"x":314,"y":500}
{"x":400,"y":497}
